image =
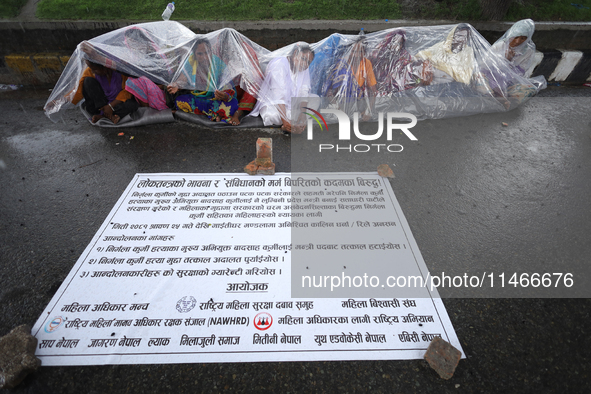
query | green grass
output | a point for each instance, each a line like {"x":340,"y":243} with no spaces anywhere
{"x":550,"y":10}
{"x":465,"y":10}
{"x":538,"y":10}
{"x":227,"y":10}
{"x":230,"y":10}
{"x":10,"y":8}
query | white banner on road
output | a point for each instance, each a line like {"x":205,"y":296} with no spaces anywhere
{"x":197,"y":268}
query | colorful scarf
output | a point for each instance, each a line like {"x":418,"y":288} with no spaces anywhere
{"x":323,"y":60}
{"x":393,"y":64}
{"x":147,"y":91}
{"x":347,"y":80}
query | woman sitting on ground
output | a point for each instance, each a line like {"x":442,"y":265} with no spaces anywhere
{"x":324,"y":57}
{"x":145,"y":92}
{"x":452,"y":60}
{"x":286,"y":78}
{"x":394,"y":67}
{"x":103,"y":90}
{"x":351,"y":80}
{"x":457,"y":73}
{"x":517,"y":47}
{"x":242,"y":65}
{"x":203,"y":71}
{"x":514,"y":51}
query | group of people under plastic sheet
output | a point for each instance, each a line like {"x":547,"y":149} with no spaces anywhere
{"x":224,"y":76}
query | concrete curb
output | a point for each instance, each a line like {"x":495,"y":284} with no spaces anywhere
{"x":548,"y":35}
{"x":35,"y":52}
{"x":36,"y":69}
{"x":573,"y":67}
{"x":40,"y":69}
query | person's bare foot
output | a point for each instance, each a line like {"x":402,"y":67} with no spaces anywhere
{"x":96,"y":118}
{"x":234,"y":120}
{"x":506,"y":103}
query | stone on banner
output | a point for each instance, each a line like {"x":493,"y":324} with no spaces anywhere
{"x":385,"y":171}
{"x":442,"y":357}
{"x":251,"y":168}
{"x":263,"y":164}
{"x":268,"y":169}
{"x":17,"y":356}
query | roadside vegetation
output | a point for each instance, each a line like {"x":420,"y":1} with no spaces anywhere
{"x":10,"y":8}
{"x":228,"y":10}
{"x":232,"y":10}
{"x":548,"y":10}
{"x":470,"y":10}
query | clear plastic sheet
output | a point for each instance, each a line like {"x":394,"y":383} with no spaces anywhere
{"x":520,"y":54}
{"x":167,"y":53}
{"x":430,"y":71}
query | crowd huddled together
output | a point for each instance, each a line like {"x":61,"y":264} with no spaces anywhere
{"x":435,"y":71}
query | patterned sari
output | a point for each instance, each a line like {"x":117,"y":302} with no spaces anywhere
{"x":202,"y":100}
{"x":146,"y":91}
{"x":394,"y":67}
{"x":350,"y":81}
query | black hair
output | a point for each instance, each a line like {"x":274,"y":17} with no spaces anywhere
{"x":134,"y":33}
{"x":204,"y":41}
{"x":93,"y":64}
{"x":302,"y":47}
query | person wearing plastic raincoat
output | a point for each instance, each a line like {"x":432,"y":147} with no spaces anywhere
{"x":453,"y":63}
{"x":395,"y":68}
{"x":351,"y":80}
{"x":242,"y":67}
{"x":203,"y":70}
{"x":516,"y":45}
{"x":324,"y":56}
{"x":452,"y":59}
{"x":285,"y":78}
{"x":103,"y":90}
{"x":516,"y":50}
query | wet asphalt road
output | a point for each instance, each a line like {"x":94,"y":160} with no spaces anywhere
{"x":478,"y":197}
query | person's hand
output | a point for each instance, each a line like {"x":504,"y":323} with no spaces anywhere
{"x":223,"y":96}
{"x":298,"y":129}
{"x":510,"y":54}
{"x":172,"y":89}
{"x":286,"y":126}
{"x":87,"y":48}
{"x":50,"y":106}
{"x":427,"y":73}
{"x":428,"y":78}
